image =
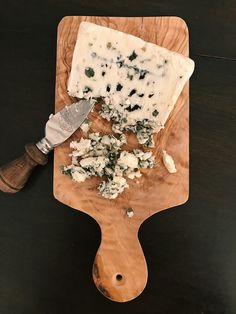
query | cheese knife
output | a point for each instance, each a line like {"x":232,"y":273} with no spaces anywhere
{"x":59,"y":127}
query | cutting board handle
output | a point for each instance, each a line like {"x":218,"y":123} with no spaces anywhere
{"x":15,"y":174}
{"x":120,"y":270}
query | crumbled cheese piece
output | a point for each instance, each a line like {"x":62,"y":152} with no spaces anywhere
{"x":74,"y":160}
{"x":100,"y":156}
{"x":112,"y":188}
{"x":130,"y":212}
{"x":79,"y":174}
{"x":106,"y":140}
{"x":143,"y":128}
{"x":97,"y":163}
{"x":81,"y":147}
{"x":134,"y":174}
{"x":146,"y":155}
{"x":169,"y":162}
{"x":128,"y":160}
{"x":85,"y":126}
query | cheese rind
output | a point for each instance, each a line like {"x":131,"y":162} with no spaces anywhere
{"x":139,"y":79}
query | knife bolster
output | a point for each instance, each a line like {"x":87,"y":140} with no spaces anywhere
{"x":44,"y":145}
{"x":14,"y":175}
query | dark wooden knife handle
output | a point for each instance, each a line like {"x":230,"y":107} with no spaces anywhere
{"x":14,"y":175}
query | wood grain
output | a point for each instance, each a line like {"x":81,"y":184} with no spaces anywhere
{"x":15,"y":174}
{"x":120,"y":252}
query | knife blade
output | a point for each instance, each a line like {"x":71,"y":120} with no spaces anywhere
{"x":59,"y":127}
{"x":64,"y":123}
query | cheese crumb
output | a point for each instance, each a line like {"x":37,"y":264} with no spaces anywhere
{"x":169,"y":162}
{"x":85,"y":126}
{"x":130,"y":212}
{"x":81,"y":147}
{"x":128,"y":160}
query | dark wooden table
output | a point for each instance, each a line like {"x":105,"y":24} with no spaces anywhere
{"x":46,"y":248}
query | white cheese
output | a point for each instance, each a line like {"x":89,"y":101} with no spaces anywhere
{"x":85,"y":126}
{"x":79,"y":174}
{"x":130,"y":212}
{"x":169,"y":162}
{"x":128,"y":160}
{"x":82,"y":147}
{"x":102,"y":157}
{"x":134,"y":174}
{"x":113,"y":188}
{"x":146,"y":156}
{"x":74,"y":159}
{"x":138,"y":79}
{"x":97,"y":163}
{"x":106,"y":140}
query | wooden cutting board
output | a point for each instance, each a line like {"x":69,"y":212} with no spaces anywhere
{"x":120,"y":270}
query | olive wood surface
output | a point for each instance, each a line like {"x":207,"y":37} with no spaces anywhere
{"x":120,"y":270}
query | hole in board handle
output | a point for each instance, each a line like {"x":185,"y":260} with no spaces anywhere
{"x":119,"y":277}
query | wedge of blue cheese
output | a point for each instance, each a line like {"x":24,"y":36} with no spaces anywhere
{"x":101,"y":156}
{"x":139,"y":81}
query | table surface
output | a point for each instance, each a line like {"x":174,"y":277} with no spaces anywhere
{"x":47,"y":249}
